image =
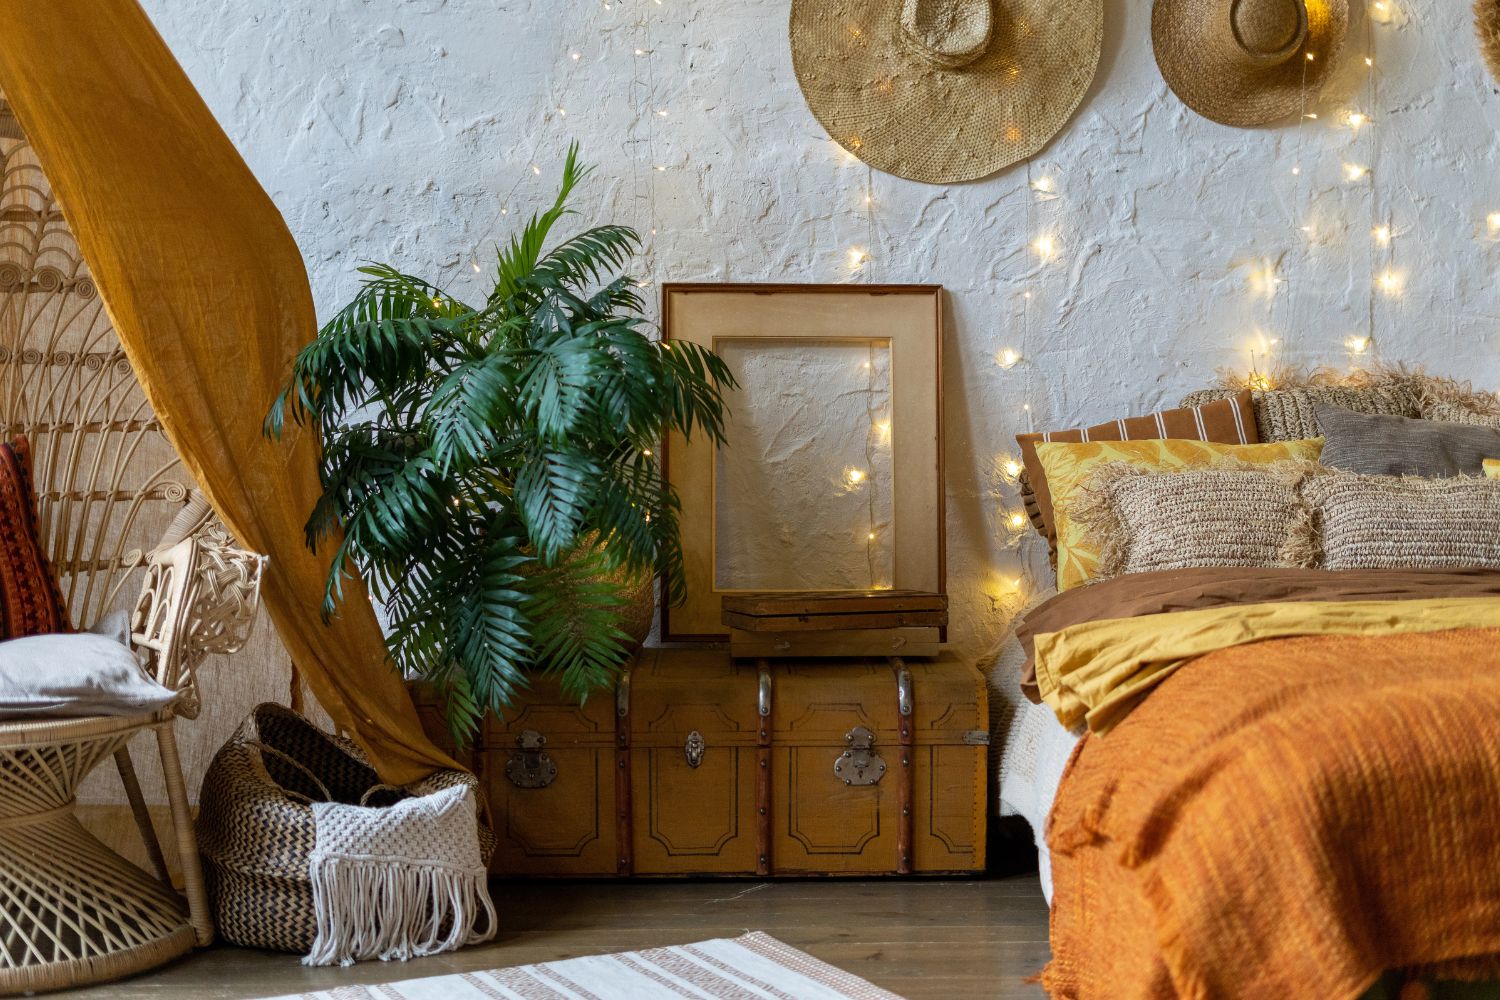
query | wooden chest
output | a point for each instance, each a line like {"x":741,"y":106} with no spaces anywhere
{"x":704,"y":765}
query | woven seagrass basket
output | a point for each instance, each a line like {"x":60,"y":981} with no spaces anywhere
{"x":255,"y":822}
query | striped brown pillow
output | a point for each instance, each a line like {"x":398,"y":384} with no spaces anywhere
{"x":1224,"y":421}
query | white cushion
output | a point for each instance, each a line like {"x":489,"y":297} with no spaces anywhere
{"x":75,"y":674}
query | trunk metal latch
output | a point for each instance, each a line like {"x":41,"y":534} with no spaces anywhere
{"x":860,"y":764}
{"x":693,"y":748}
{"x":530,"y":766}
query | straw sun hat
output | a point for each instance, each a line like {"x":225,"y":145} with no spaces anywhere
{"x":944,"y":90}
{"x":1247,"y":62}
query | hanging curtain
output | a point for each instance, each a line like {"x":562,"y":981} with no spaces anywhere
{"x":208,"y":294}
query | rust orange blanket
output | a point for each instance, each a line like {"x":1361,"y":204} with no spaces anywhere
{"x":1287,"y":818}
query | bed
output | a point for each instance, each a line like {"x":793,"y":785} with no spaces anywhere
{"x":1282,"y":776}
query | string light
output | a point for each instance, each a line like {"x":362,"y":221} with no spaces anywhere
{"x":871,"y":536}
{"x":857,"y":259}
{"x":535,"y":169}
{"x":883,"y":430}
{"x":854,"y":477}
{"x":1355,"y":119}
{"x":562,"y":112}
{"x":1390,"y":282}
{"x":1046,"y":247}
{"x":1357,"y":344}
{"x":1493,"y":221}
{"x":1382,"y":235}
{"x":1296,"y":171}
{"x":1369,"y":61}
{"x":1353,"y":171}
{"x":575,"y":56}
{"x":1007,"y":358}
{"x":1011,"y":468}
{"x":1043,"y":184}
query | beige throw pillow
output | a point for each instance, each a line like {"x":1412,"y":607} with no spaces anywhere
{"x":1221,"y":516}
{"x":1384,"y":522}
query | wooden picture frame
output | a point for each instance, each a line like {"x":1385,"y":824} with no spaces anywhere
{"x":907,"y":321}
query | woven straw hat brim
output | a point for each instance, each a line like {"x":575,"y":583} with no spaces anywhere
{"x":901,"y":115}
{"x":1195,"y":60}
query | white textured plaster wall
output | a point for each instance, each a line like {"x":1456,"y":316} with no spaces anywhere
{"x":399,"y":130}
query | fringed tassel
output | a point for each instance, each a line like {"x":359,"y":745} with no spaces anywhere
{"x":386,"y":908}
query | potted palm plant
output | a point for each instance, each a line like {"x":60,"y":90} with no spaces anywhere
{"x":492,"y":466}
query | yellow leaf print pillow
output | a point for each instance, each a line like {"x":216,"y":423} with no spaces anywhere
{"x":1068,"y":465}
{"x":1492,"y":468}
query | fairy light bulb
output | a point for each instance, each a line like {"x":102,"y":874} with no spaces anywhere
{"x":535,"y":169}
{"x":1389,"y":282}
{"x":575,"y":56}
{"x":1493,"y":221}
{"x":1357,"y":344}
{"x":1017,"y":520}
{"x":1007,"y":358}
{"x":857,"y":257}
{"x":562,"y":112}
{"x":871,"y":536}
{"x":883,"y":430}
{"x":1012,"y":468}
{"x":1045,"y":246}
{"x":1355,"y":119}
{"x":854,"y":477}
{"x":1382,"y":235}
{"x":1353,"y":171}
{"x":1043,"y":184}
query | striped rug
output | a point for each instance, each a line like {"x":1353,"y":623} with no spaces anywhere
{"x":754,"y":966}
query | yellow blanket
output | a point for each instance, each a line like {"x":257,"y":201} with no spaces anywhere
{"x":1095,"y":672}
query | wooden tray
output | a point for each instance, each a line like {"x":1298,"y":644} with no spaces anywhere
{"x":831,"y":611}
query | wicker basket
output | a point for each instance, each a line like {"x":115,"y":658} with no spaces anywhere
{"x":255,"y":822}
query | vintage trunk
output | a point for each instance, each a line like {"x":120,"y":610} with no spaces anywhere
{"x":706,"y":765}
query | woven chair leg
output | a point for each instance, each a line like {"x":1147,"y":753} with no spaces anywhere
{"x":142,"y":815}
{"x":182,"y":829}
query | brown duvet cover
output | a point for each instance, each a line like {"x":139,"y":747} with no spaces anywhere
{"x":1288,"y":817}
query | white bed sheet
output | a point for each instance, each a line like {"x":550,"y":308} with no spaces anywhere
{"x":1032,"y":749}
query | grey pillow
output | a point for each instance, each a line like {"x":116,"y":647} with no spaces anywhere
{"x":1380,"y":445}
{"x":74,"y":674}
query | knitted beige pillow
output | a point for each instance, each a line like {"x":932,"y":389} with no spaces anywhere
{"x":1455,"y":413}
{"x":1290,"y":414}
{"x":1221,"y":516}
{"x":1385,"y":522}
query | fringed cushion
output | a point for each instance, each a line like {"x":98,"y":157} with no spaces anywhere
{"x":1291,"y":414}
{"x":1455,"y":413}
{"x":1382,"y":522}
{"x":1230,"y":516}
{"x":30,"y":602}
{"x":1285,"y":410}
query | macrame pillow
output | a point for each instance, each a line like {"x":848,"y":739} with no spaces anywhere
{"x":1291,"y":414}
{"x":1221,"y":516}
{"x":1455,"y":413}
{"x":1384,"y":522}
{"x":30,"y":601}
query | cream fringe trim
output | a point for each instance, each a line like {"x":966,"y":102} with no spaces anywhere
{"x":395,"y":908}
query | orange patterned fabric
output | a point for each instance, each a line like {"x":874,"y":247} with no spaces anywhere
{"x":1286,"y":819}
{"x":30,"y":602}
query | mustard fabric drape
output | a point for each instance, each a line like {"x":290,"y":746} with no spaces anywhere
{"x":209,"y":296}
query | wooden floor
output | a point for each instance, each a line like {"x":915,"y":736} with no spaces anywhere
{"x":921,"y":939}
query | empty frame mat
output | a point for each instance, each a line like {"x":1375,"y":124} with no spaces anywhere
{"x":830,"y":475}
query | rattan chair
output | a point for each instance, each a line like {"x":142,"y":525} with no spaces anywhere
{"x":110,"y":490}
{"x":74,"y":911}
